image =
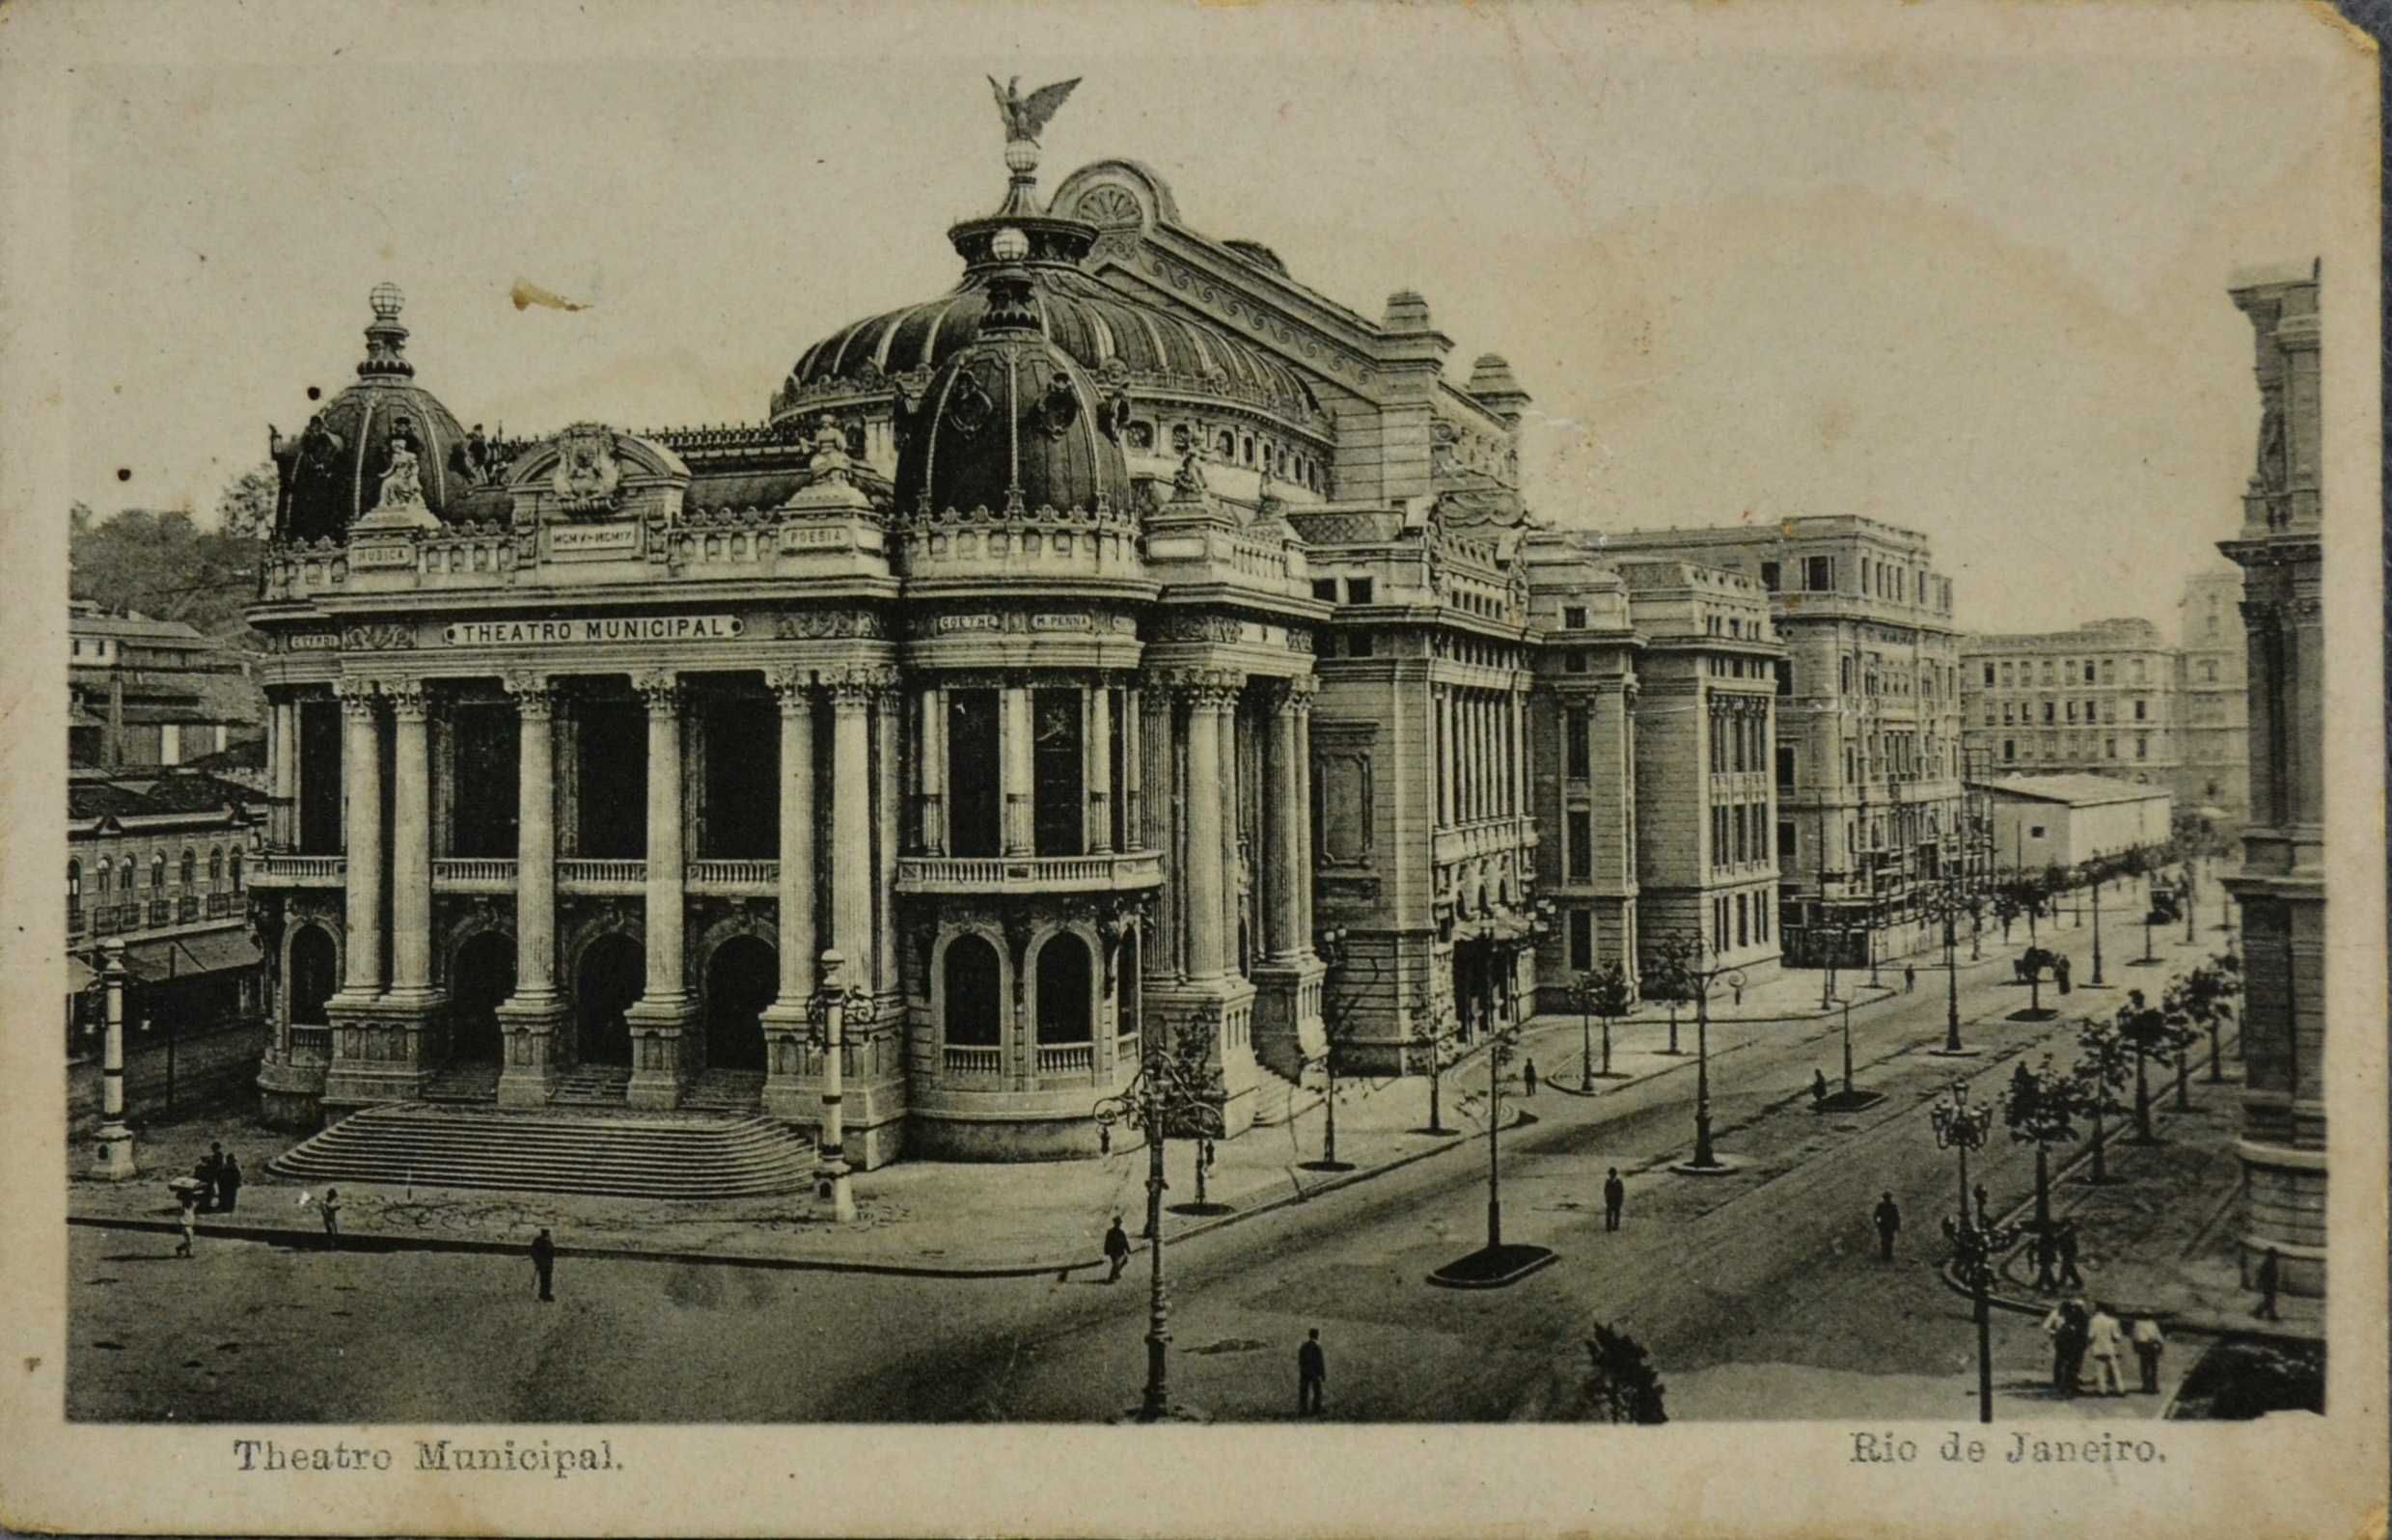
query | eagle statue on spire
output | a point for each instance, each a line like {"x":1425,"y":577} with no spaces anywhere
{"x":1024,"y":116}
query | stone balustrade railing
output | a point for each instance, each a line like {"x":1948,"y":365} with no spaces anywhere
{"x":1029,"y":873}
{"x":598,"y":876}
{"x":1066,"y":1058}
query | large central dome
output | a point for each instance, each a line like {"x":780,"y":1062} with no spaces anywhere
{"x":1118,"y":340}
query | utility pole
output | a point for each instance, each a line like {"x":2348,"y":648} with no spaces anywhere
{"x":112,"y":1160}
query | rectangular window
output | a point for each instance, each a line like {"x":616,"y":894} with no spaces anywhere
{"x":1738,"y":823}
{"x":1359,"y":645}
{"x":2072,"y":710}
{"x":1744,"y":934}
{"x":1358,"y":591}
{"x":1574,"y":617}
{"x":1785,"y":766}
{"x":1578,"y":830}
{"x":1819,"y":573}
{"x":1785,"y":676}
{"x":1788,"y":849}
{"x":1576,"y":751}
{"x":1325,"y":590}
{"x":2142,"y":746}
{"x":2109,"y":748}
{"x":1768,"y":576}
{"x":2142,"y":709}
{"x":2034,"y":831}
{"x":2010,"y":748}
{"x":1989,"y":676}
{"x":1581,"y":940}
{"x":1574,"y":661}
{"x":2047,"y":713}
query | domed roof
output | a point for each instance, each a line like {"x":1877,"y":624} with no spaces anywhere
{"x":1009,"y":422}
{"x":1114,"y":338}
{"x":332,"y":472}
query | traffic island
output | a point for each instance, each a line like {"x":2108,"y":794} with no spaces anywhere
{"x":2043,"y":1013}
{"x":1206,"y":1210}
{"x":1719,"y":1166}
{"x":1324,"y":1166}
{"x":1847,"y":1101}
{"x":1492,"y":1267}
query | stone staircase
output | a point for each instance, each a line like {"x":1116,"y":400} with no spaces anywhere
{"x":662,"y":1155}
{"x":725,"y":1090}
{"x":593,"y":1086}
{"x":464,"y":1083}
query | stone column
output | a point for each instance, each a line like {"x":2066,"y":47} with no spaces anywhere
{"x":1133,"y":779}
{"x":933,"y":769}
{"x":411,"y":849}
{"x":888,"y":797}
{"x":657,"y":1017}
{"x":1520,"y":755}
{"x":1209,"y":700}
{"x":530,"y":1015}
{"x":285,"y":746}
{"x":851,"y":820}
{"x":1162,"y":949}
{"x":785,"y":1019}
{"x":1444,"y":756}
{"x":1283,"y":827}
{"x":1231,"y":825}
{"x":1098,"y":745}
{"x":1014,"y":766}
{"x":1305,"y":923}
{"x":361,"y":768}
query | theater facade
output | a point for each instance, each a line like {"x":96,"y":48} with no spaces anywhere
{"x":1068,"y":653}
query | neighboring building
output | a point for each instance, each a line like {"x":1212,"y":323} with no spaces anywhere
{"x":157,"y":863}
{"x":2213,"y":707}
{"x":2281,"y":888}
{"x":2041,"y":821}
{"x":147,"y":693}
{"x":2099,"y":699}
{"x":1866,"y":731}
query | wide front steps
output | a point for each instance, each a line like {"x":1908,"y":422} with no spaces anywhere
{"x":661,"y":1155}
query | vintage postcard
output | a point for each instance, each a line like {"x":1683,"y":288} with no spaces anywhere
{"x":1292,"y":769}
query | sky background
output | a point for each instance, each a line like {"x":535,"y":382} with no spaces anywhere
{"x":1976,"y":287}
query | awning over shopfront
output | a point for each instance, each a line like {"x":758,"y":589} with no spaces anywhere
{"x":79,"y":974}
{"x":168,"y":957}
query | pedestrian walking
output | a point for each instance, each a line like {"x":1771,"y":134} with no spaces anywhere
{"x":1116,"y":1250}
{"x":1985,"y":1206}
{"x":1818,"y":1089}
{"x":330,"y":1208}
{"x":2070,"y":1277}
{"x":2106,"y":1341}
{"x":2269,"y":1271}
{"x":2080,"y":1318}
{"x":1528,"y":1077}
{"x":1739,"y":987}
{"x":1614,"y":1197}
{"x":2147,"y":1346}
{"x":1910,"y":979}
{"x":229,"y":1184}
{"x":189,"y":1205}
{"x":2047,"y":1253}
{"x":1889,"y":1218}
{"x":2056,"y":1327}
{"x":204,"y":1174}
{"x":1311,"y":1375}
{"x":544,"y":1264}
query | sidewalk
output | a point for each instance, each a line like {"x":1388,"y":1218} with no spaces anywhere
{"x":917,"y":1218}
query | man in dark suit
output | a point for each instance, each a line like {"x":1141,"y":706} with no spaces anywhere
{"x":544,"y":1263}
{"x":1116,"y":1250}
{"x":1614,"y":1196}
{"x":1888,"y":1219}
{"x":1312,"y":1374}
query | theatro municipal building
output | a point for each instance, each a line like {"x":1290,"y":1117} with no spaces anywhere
{"x":1129,"y":641}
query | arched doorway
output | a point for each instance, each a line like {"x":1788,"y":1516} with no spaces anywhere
{"x":1063,"y":1001}
{"x":482,"y":975}
{"x":971,"y":993}
{"x":312,"y":975}
{"x":614,"y":970}
{"x":742,"y":977}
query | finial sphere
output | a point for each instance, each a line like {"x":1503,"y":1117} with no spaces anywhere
{"x":386,"y":300}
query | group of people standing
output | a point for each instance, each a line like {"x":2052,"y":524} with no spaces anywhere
{"x":214,"y":1187}
{"x":2079,"y":1330}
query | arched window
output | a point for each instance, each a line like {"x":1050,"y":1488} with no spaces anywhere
{"x":971,"y":992}
{"x":1229,"y":447}
{"x":215,"y":868}
{"x":233,"y":866}
{"x":190,"y":867}
{"x":1063,"y":1001}
{"x":157,"y":873}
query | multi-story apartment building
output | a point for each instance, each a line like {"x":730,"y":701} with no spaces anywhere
{"x":1866,"y":754}
{"x":2099,"y":699}
{"x":2213,"y":708}
{"x":146,"y":693}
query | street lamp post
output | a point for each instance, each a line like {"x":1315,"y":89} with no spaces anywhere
{"x":1176,"y":1086}
{"x":1975,"y":1240}
{"x":1330,"y":946}
{"x":828,"y":1014}
{"x":112,"y":1159}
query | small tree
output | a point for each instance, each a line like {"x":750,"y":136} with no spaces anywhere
{"x":2006,"y":905}
{"x":2096,"y":1082}
{"x":2202,"y":1002}
{"x":245,"y":508}
{"x":1620,"y":1380}
{"x":2149,"y":1035}
{"x":2038,"y":1111}
{"x":1606,"y":994}
{"x":1432,"y":1042}
{"x":1670,"y":975}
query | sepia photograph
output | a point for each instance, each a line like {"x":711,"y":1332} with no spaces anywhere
{"x":1332,"y":725}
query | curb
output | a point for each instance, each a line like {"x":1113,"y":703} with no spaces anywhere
{"x":301,"y":1239}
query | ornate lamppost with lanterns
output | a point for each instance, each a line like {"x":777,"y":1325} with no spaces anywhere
{"x":1177,"y":1090}
{"x":1976,"y":1241}
{"x":833,"y":1009}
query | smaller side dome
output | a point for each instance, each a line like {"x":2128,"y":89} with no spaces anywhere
{"x":1012,"y":423}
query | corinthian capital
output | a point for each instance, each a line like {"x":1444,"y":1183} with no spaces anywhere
{"x":857,"y":687}
{"x":792,"y":687}
{"x":535,"y":695}
{"x":660,"y":691}
{"x":407,"y":698}
{"x":357,"y":697}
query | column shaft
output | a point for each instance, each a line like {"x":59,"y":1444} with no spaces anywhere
{"x":1283,"y":826}
{"x":1205,"y":879}
{"x":1099,"y":754}
{"x":933,"y":771}
{"x":536,"y":846}
{"x":889,"y":819}
{"x":1444,"y":756}
{"x":1014,"y":769}
{"x":1305,"y":924}
{"x":1133,"y":776}
{"x":361,"y":767}
{"x":1225,"y":792}
{"x":411,"y":847}
{"x":796,"y":895}
{"x":666,"y":986}
{"x":851,"y":826}
{"x":285,"y":729}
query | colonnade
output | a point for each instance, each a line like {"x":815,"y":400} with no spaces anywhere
{"x":1482,"y":769}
